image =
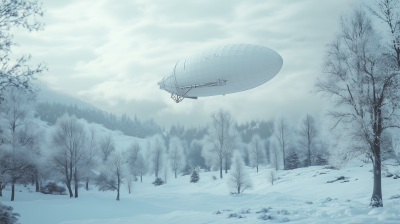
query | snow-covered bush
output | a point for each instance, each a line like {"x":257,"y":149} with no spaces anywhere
{"x":53,"y":188}
{"x":158,"y":181}
{"x":7,"y":216}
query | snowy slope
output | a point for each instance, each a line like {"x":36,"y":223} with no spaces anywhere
{"x":178,"y":201}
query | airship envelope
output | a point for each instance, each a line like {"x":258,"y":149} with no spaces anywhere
{"x":222,"y":70}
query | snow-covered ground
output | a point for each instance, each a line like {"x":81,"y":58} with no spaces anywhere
{"x":179,"y":201}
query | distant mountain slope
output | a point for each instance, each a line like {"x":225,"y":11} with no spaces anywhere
{"x":46,"y":94}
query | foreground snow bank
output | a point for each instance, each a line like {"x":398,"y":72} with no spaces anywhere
{"x":298,"y":196}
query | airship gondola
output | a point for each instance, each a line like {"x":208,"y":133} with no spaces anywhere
{"x":221,"y":70}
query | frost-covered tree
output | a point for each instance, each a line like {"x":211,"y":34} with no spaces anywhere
{"x":220,"y":140}
{"x":107,"y":145}
{"x":275,"y":156}
{"x":282,"y":134}
{"x":267,"y":150}
{"x":157,"y":153}
{"x":141,"y":166}
{"x":20,"y":137}
{"x":239,"y":179}
{"x":68,"y":139}
{"x":307,"y":135}
{"x":256,"y":151}
{"x":194,"y":155}
{"x":91,"y":157}
{"x":132,"y":154}
{"x":175,"y":155}
{"x":110,"y":178}
{"x":361,"y":78}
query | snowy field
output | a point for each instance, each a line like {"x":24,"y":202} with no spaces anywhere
{"x":178,"y":201}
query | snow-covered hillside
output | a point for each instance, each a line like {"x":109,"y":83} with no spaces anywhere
{"x":298,"y":196}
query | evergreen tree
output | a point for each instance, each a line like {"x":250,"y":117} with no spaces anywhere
{"x":292,"y":160}
{"x":194,"y":178}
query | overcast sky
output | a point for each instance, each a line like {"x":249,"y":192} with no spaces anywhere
{"x":112,"y":53}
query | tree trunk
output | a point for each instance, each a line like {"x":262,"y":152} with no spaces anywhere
{"x":220,"y":170}
{"x":69,"y":189}
{"x":238,"y":189}
{"x":87,"y":184}
{"x":376,"y":199}
{"x":76,"y":189}
{"x":12,"y":192}
{"x":175,"y":173}
{"x":284,"y":158}
{"x":37,"y":185}
{"x":118,"y":190}
{"x":257,"y":168}
{"x":309,"y":156}
{"x":141,"y":177}
{"x":1,"y":189}
{"x":226,"y":165}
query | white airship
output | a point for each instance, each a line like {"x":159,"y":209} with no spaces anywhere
{"x":222,"y":70}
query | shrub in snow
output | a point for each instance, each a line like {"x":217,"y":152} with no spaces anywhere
{"x":395,"y":196}
{"x":7,"y":216}
{"x":158,"y":181}
{"x":328,"y":199}
{"x":271,"y":176}
{"x":214,"y":177}
{"x":283,"y":212}
{"x":232,"y":215}
{"x":264,"y":210}
{"x":217,"y":212}
{"x":194,"y":178}
{"x":267,"y":217}
{"x":53,"y":188}
{"x":309,"y":202}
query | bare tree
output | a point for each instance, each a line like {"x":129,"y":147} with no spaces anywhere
{"x":267,"y":150}
{"x":239,"y":179}
{"x":282,"y":135}
{"x":69,"y":141}
{"x":157,"y":151}
{"x":256,"y":151}
{"x":308,"y":133}
{"x":141,"y":166}
{"x":175,"y":154}
{"x":271,"y":176}
{"x":362,"y":81}
{"x":107,"y":145}
{"x":18,"y":13}
{"x":274,"y":153}
{"x":91,"y":156}
{"x":112,"y":175}
{"x":218,"y":143}
{"x":132,"y":156}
